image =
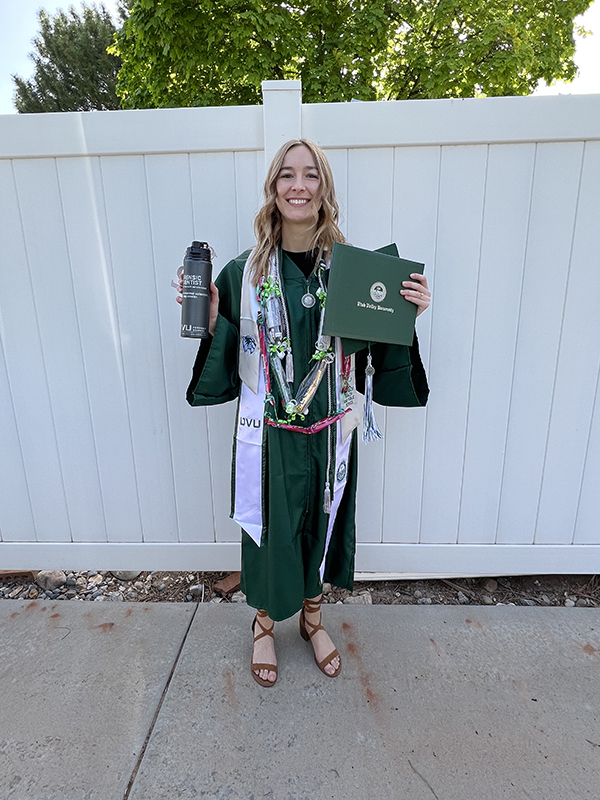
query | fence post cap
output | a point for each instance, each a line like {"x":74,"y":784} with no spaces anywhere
{"x":281,"y":86}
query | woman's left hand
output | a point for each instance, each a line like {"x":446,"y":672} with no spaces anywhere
{"x":417,"y":291}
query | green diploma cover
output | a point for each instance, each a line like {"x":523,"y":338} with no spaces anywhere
{"x":363,"y":300}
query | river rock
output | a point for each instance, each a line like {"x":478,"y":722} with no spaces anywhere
{"x":124,"y":575}
{"x":50,"y":579}
{"x":364,"y":598}
{"x":489,"y":585}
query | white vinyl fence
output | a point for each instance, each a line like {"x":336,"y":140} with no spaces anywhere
{"x":102,"y":463}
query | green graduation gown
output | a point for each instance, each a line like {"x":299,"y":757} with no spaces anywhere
{"x":284,"y":569}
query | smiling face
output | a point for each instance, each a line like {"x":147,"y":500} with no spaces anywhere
{"x":297,"y":187}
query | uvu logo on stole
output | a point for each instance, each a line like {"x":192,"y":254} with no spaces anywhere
{"x":250,"y":423}
{"x":249,"y":427}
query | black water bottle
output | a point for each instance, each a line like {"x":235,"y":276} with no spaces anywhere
{"x":195,"y":298}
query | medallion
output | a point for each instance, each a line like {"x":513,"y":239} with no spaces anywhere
{"x":378,"y":291}
{"x":308,"y":300}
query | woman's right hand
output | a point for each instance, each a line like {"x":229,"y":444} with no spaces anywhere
{"x":214,"y":309}
{"x":214,"y":303}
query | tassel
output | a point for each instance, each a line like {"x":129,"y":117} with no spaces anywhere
{"x":327,"y":499}
{"x":371,"y":431}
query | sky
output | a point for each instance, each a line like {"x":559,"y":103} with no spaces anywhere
{"x":19,"y":26}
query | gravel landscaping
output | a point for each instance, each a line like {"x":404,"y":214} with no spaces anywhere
{"x":92,"y":586}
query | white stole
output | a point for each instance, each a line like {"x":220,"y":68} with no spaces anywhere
{"x":249,"y":435}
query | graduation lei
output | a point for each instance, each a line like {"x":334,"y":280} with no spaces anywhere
{"x":278,"y":359}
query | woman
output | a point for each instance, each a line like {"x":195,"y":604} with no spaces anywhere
{"x":294,"y":474}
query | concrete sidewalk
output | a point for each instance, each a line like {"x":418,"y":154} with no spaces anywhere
{"x":125,"y":701}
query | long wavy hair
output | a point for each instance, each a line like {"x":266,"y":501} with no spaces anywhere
{"x":267,"y":223}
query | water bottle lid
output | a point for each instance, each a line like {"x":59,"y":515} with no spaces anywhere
{"x":199,"y":250}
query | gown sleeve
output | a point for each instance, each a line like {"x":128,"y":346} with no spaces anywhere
{"x":399,"y":378}
{"x":215,"y":377}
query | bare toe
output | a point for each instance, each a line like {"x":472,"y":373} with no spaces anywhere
{"x":332,"y":666}
{"x":266,"y":675}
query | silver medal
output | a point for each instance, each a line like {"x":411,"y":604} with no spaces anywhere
{"x":308,"y":300}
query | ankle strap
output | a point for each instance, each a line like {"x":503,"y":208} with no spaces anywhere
{"x":312,"y":606}
{"x":263,"y":631}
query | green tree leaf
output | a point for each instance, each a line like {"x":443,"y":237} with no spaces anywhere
{"x":217,"y":52}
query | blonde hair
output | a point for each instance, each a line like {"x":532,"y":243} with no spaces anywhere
{"x":267,"y":223}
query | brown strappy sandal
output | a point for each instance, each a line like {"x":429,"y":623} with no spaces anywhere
{"x":264,"y":632}
{"x":312,"y":607}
